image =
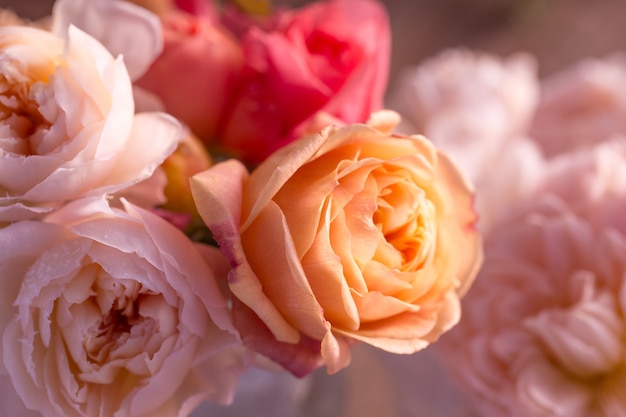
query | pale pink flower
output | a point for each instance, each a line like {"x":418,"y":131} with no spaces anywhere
{"x":544,"y":326}
{"x":508,"y":180}
{"x":125,"y":29}
{"x":109,"y":312}
{"x":592,"y":182}
{"x":68,"y":125}
{"x":581,"y":105}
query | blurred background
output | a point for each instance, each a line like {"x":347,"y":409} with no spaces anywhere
{"x":557,"y":32}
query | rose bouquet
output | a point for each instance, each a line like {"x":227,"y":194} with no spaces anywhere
{"x":192,"y":190}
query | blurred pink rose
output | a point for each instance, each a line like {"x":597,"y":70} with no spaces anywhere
{"x":592,"y":182}
{"x":330,"y":56}
{"x":68,"y":124}
{"x":111,"y":312}
{"x":581,"y":105}
{"x":543,"y":331}
{"x":351,"y":234}
{"x":195,"y":74}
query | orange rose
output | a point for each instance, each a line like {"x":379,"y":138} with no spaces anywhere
{"x":349,"y":234}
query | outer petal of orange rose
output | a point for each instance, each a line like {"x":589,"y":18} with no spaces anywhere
{"x":282,"y":278}
{"x":404,"y":333}
{"x":463,"y":244}
{"x":336,"y":350}
{"x":275,"y":171}
{"x":299,"y":358}
{"x":218,"y":196}
{"x":409,"y":332}
{"x":326,"y":276}
{"x":375,"y":306}
{"x":302,"y":200}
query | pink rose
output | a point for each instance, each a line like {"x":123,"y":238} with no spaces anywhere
{"x":544,"y":326}
{"x":581,"y":106}
{"x":330,"y":56}
{"x":591,"y":181}
{"x":196,"y":72}
{"x":68,"y":127}
{"x":352,"y":234}
{"x":108,"y":312}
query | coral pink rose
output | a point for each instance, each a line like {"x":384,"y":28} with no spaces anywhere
{"x":544,"y":327}
{"x":108,"y":312}
{"x":196,"y":72}
{"x":331,"y":56}
{"x":581,"y":106}
{"x":68,"y":126}
{"x":352,"y":234}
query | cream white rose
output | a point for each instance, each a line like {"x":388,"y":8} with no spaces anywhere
{"x":67,"y":123}
{"x":107,"y":312}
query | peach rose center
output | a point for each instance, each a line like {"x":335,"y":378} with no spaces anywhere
{"x":404,"y":216}
{"x":22,"y":124}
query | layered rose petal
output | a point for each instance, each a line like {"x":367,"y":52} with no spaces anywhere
{"x":372,"y":237}
{"x":137,"y":35}
{"x":68,"y":126}
{"x":112,"y":312}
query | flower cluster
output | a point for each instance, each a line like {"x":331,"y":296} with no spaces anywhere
{"x":259,"y":84}
{"x":543,"y":327}
{"x":138,"y":277}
